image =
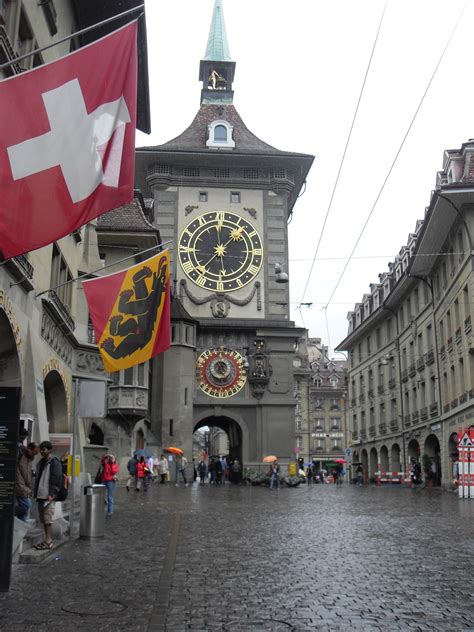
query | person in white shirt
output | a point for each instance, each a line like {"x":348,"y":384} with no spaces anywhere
{"x":163,"y":468}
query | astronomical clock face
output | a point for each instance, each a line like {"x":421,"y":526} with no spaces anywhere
{"x":220,"y":251}
{"x":221,"y":372}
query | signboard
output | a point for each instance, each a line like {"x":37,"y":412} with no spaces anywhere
{"x":9,"y":435}
{"x":291,"y":468}
{"x":296,"y":450}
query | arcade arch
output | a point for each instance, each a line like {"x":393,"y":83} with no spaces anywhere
{"x":413,"y":450}
{"x":10,"y":374}
{"x":365,"y":463}
{"x":432,"y":450}
{"x":384,"y":465}
{"x":395,"y":461}
{"x":56,"y":403}
{"x":372,"y":462}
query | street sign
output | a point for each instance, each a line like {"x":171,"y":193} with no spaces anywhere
{"x":9,"y":434}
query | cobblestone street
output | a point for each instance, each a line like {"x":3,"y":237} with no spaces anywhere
{"x":247,"y":558}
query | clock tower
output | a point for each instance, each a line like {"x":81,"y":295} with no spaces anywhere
{"x":223,"y":198}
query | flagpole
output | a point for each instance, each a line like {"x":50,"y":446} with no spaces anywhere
{"x":76,"y":34}
{"x":88,"y":274}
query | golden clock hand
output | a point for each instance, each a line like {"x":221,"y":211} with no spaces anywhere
{"x":234,"y":236}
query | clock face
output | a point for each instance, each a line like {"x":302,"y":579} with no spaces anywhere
{"x":220,"y":251}
{"x":221,"y":372}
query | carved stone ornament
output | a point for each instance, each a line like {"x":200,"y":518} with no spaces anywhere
{"x":216,"y":296}
{"x":190,"y":208}
{"x":89,"y":362}
{"x":252,"y":212}
{"x":220,"y":308}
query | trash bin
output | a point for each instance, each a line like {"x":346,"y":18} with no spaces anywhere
{"x":92,"y":523}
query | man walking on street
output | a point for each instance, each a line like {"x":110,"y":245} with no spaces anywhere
{"x":24,"y":480}
{"x":181,"y":462}
{"x":132,"y":472}
{"x":49,"y":480}
{"x":163,"y":468}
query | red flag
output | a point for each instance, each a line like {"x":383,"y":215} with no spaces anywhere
{"x":67,"y":135}
{"x":130,"y":311}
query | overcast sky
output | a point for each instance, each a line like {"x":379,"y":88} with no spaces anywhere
{"x":300,"y":68}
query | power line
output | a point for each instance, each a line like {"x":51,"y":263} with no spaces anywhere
{"x":344,"y":152}
{"x":397,"y":153}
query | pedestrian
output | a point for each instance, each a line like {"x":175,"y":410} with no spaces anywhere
{"x":202,"y":471}
{"x":225,"y":469}
{"x":156,"y":466}
{"x":275,"y":475}
{"x":219,"y":471}
{"x":309,"y":474}
{"x":150,"y":474}
{"x":142,"y":475}
{"x":181,"y":462}
{"x":24,"y":480}
{"x":359,"y":475}
{"x":212,"y":471}
{"x":236,"y":471}
{"x":163,"y":468}
{"x":109,"y":479}
{"x":132,"y":472}
{"x":335,"y":475}
{"x":23,"y":435}
{"x":49,"y":480}
{"x":340,"y":474}
{"x":322,"y":476}
{"x":195,"y":473}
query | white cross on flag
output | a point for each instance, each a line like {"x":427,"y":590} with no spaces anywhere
{"x":67,"y":136}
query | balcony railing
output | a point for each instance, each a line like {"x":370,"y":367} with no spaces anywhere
{"x":463,"y":398}
{"x":433,"y":409}
{"x":353,"y":401}
{"x":429,"y":357}
{"x":424,"y":413}
{"x":383,"y":428}
{"x":412,"y":370}
{"x":415,"y":416}
{"x":471,"y":393}
{"x":420,"y":364}
{"x":361,"y":399}
{"x":380,"y":389}
{"x":61,"y":310}
{"x":363,"y":433}
{"x":407,"y":419}
{"x":442,"y":352}
{"x":355,"y":435}
{"x":391,"y":383}
{"x":467,"y":325}
{"x":454,"y":403}
{"x":458,"y":335}
{"x":404,"y":375}
{"x":449,"y":344}
{"x":370,"y":393}
{"x":22,"y":271}
{"x":372,"y":431}
{"x":446,"y":408}
{"x":394,"y":424}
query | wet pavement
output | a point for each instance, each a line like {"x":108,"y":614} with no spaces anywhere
{"x":252,"y":559}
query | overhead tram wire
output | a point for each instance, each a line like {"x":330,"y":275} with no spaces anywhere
{"x":344,"y":153}
{"x":398,"y":153}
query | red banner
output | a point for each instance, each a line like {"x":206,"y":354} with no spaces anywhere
{"x":67,"y":135}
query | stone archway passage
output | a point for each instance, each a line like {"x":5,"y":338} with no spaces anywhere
{"x":413,"y":450}
{"x":373,"y":463}
{"x":384,"y":464}
{"x":395,"y":461}
{"x":231,"y":428}
{"x":56,"y":403}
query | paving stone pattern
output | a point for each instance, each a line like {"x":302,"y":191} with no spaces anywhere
{"x":244,"y":559}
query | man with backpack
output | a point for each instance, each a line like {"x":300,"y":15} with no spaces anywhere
{"x":132,"y":472}
{"x":49,"y":483}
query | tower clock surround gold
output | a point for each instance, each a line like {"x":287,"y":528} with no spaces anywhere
{"x":221,"y":372}
{"x":220,"y":251}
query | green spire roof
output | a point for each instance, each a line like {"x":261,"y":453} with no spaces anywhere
{"x":217,"y":46}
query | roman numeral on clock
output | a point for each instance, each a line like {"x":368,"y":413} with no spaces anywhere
{"x":187,"y":267}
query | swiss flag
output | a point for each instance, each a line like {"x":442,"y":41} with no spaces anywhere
{"x":67,"y":137}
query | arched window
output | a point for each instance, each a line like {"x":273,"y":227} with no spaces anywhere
{"x":220,"y":133}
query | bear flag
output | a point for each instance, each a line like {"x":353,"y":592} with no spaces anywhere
{"x":67,"y":136}
{"x":130,"y":312}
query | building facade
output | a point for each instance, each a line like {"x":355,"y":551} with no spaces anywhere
{"x":320,"y":412}
{"x":222,"y":199}
{"x":411,"y":353}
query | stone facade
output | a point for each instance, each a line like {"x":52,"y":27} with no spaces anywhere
{"x":321,"y":403}
{"x":411,"y":354}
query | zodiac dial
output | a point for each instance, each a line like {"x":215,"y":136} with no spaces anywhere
{"x":221,"y":372}
{"x":220,"y":251}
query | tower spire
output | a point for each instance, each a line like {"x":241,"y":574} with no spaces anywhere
{"x":217,"y":45}
{"x":216,"y":70}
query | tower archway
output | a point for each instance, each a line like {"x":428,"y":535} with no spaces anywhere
{"x":214,"y":442}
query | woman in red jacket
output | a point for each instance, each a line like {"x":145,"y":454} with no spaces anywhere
{"x":109,"y":478}
{"x":142,"y":474}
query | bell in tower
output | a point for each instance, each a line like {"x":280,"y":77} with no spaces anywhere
{"x":216,"y":70}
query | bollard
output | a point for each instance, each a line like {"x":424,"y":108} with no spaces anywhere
{"x":92,"y":523}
